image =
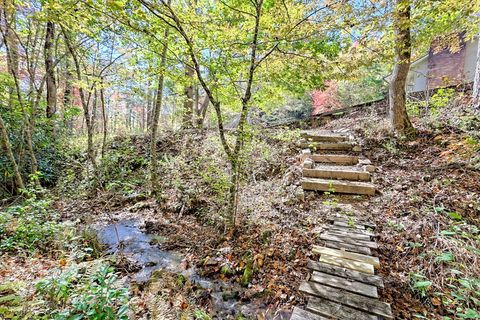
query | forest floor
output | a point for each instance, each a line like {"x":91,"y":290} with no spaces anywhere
{"x":426,"y":210}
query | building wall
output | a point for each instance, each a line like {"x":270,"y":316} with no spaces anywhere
{"x":442,"y":69}
{"x":417,"y":76}
{"x":470,"y":60}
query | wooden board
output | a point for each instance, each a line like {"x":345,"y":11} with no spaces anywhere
{"x":339,"y":186}
{"x":348,"y":247}
{"x":346,"y":263}
{"x":343,"y":219}
{"x":335,"y":158}
{"x":347,"y":255}
{"x":340,"y":146}
{"x":300,"y":314}
{"x":368,"y":244}
{"x":333,"y":310}
{"x":345,"y":273}
{"x":357,"y":301}
{"x":325,"y":137}
{"x":348,"y":225}
{"x":350,"y":230}
{"x":345,"y":284}
{"x":350,"y":235}
{"x":339,"y":173}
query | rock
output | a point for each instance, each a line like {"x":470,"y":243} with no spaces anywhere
{"x":299,"y":194}
{"x":308,"y":164}
{"x":306,"y":153}
{"x":288,"y":179}
{"x":292,"y":175}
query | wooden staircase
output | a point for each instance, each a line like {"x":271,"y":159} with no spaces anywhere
{"x":343,"y":284}
{"x":332,"y":162}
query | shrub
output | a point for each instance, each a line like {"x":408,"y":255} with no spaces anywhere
{"x":29,"y":226}
{"x":82,"y":292}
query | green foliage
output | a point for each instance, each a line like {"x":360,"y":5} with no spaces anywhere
{"x":440,"y":99}
{"x":201,"y":315}
{"x":30,"y":226}
{"x":85,"y":293}
{"x":445,"y":257}
{"x":419,"y":284}
{"x":396,"y":226}
{"x":12,"y":301}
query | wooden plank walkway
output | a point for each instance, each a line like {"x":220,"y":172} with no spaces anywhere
{"x":343,"y":284}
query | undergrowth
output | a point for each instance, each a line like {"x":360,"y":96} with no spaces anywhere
{"x":83,"y":287}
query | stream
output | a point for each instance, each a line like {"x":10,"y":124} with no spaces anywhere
{"x":143,"y":249}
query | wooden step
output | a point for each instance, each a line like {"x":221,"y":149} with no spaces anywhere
{"x":334,"y":227}
{"x":347,"y":255}
{"x":347,"y":263}
{"x":300,"y":314}
{"x":332,"y":146}
{"x":345,"y":273}
{"x":333,"y":310}
{"x":345,"y":284}
{"x":348,"y":247}
{"x":340,"y":186}
{"x":347,"y":234}
{"x":339,"y":238}
{"x":345,"y":220}
{"x":342,"y":159}
{"x":338,"y":172}
{"x":353,"y":300}
{"x":324,"y":136}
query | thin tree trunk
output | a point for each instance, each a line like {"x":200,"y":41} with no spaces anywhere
{"x":8,"y":149}
{"x":188,"y":103}
{"x":156,"y":115}
{"x":50,"y":71}
{"x":202,"y":112}
{"x":67,"y":95}
{"x":86,"y":113}
{"x":104,"y":116}
{"x":26,"y":121}
{"x":397,"y":95}
{"x":476,"y":81}
{"x":236,"y":157}
{"x":9,"y":20}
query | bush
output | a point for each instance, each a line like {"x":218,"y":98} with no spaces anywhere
{"x":84,"y":293}
{"x":29,"y":226}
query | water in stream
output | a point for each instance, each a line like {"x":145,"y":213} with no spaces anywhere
{"x":127,"y":237}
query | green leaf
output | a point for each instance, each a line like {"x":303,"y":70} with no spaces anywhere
{"x":454,"y":216}
{"x":422,"y":284}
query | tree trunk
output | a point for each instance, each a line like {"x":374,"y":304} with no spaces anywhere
{"x":476,"y":81}
{"x":188,"y":103}
{"x":50,"y":70}
{"x":67,"y":95}
{"x":13,"y":69}
{"x":201,"y":110}
{"x":104,"y":116}
{"x":8,"y":149}
{"x":397,"y":95}
{"x":83,"y":100}
{"x":155,"y":116}
{"x":10,"y":41}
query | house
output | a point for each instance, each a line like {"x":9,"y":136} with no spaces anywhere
{"x":443,"y":68}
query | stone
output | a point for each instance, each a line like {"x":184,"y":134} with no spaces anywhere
{"x":308,"y":164}
{"x":306,"y":153}
{"x":299,"y":194}
{"x":357,"y":148}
